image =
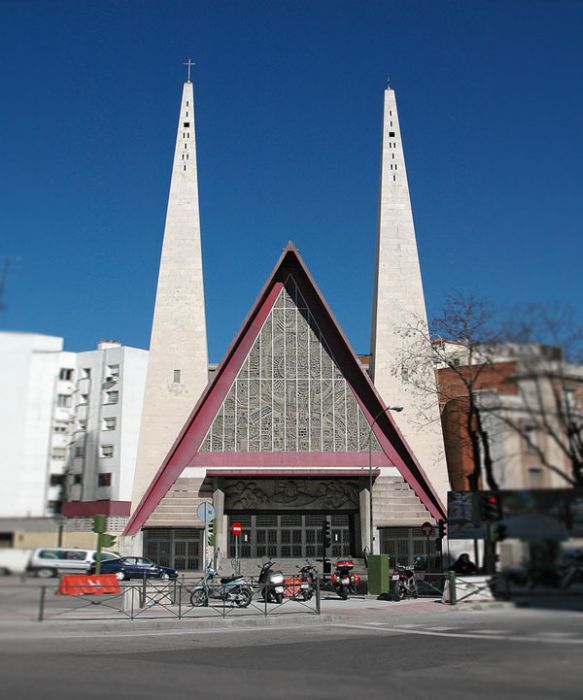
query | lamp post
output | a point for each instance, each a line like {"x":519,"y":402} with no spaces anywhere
{"x":397,"y":409}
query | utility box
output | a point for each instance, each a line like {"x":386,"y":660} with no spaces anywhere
{"x":378,"y":574}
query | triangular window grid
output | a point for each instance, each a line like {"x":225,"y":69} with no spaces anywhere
{"x":290,"y":394}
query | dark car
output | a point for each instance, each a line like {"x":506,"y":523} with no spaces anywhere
{"x":126,"y":568}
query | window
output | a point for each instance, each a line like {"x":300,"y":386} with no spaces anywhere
{"x":392,"y":134}
{"x":569,"y":398}
{"x":60,"y":428}
{"x":176,"y":376}
{"x":405,"y":374}
{"x":106,"y":451}
{"x":82,"y":424}
{"x":186,"y":125}
{"x":113,"y":370}
{"x":76,"y":479}
{"x":531,"y":437}
{"x":104,"y":479}
{"x":64,"y":400}
{"x":535,"y":478}
{"x":57,"y":479}
{"x":86,"y":372}
{"x":65,"y":374}
{"x":83,"y":399}
{"x":109,"y":423}
{"x":59,"y":453}
{"x":79,"y":451}
{"x":111,"y":396}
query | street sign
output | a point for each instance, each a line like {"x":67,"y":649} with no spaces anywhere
{"x":205,"y":512}
{"x":236,"y":529}
{"x":427,"y":529}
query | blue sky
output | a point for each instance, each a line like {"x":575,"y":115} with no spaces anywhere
{"x":288,"y":116}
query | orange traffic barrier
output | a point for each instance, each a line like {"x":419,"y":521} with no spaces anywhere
{"x":81,"y":584}
{"x":291,"y":586}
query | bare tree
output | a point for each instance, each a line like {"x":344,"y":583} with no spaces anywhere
{"x":550,"y":383}
{"x":480,"y":359}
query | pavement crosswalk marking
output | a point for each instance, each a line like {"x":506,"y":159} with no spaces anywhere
{"x":482,"y":631}
{"x":409,"y":626}
{"x":499,"y":635}
{"x":556,"y":634}
{"x":442,"y":629}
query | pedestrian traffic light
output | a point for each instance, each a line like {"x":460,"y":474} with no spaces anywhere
{"x":490,"y":507}
{"x":106,"y":540}
{"x":211,"y":533}
{"x":326,"y":534}
{"x":442,"y":529}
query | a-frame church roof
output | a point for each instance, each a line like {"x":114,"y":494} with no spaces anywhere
{"x":195,"y":445}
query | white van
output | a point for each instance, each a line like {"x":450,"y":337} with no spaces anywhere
{"x":47,"y":562}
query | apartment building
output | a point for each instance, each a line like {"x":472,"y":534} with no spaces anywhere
{"x":70,"y":425}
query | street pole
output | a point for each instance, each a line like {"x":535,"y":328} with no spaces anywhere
{"x":397,"y":409}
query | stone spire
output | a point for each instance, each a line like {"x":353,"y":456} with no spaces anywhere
{"x":398,"y":304}
{"x":178,"y":360}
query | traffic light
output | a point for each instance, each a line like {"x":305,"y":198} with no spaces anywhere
{"x":442,"y":529}
{"x":490,"y":507}
{"x":211,"y":533}
{"x":99,"y":523}
{"x":326,"y":534}
{"x":106,"y":540}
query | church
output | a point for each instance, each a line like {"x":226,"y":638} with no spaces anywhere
{"x":293,"y":428}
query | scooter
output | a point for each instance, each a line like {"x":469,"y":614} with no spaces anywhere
{"x":308,"y":574}
{"x":342,"y":580}
{"x":271,"y":583}
{"x":231,"y":589}
{"x":404,"y":582}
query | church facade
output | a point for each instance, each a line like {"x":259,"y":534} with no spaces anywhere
{"x":291,"y":431}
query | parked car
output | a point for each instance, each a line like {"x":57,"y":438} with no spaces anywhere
{"x":126,"y":568}
{"x":47,"y":562}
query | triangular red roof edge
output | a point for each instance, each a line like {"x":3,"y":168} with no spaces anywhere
{"x":190,"y":438}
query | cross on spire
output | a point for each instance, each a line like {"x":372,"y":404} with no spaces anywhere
{"x":189,"y":64}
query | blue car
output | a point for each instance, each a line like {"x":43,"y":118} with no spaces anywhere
{"x":126,"y":568}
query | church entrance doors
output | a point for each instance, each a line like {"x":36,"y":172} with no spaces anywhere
{"x":292,"y":535}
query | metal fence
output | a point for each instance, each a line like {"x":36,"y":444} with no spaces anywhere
{"x":154,"y":599}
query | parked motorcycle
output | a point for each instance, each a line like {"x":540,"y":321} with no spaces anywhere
{"x":308,"y":574}
{"x":231,"y":589}
{"x":404,"y":582}
{"x":271,"y":583}
{"x":343,"y":581}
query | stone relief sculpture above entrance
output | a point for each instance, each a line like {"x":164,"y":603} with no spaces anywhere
{"x":291,"y":494}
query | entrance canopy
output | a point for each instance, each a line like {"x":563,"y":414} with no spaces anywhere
{"x":290,"y":396}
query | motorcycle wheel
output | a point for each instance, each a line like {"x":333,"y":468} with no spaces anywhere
{"x":342,"y":592}
{"x":278,"y":598}
{"x":199,"y":599}
{"x":414,"y":593}
{"x":307,"y":595}
{"x":399,"y":593}
{"x":244,"y":599}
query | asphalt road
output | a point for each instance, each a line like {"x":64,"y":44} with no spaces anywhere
{"x":476,"y":654}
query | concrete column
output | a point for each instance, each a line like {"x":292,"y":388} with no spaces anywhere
{"x":221,"y":519}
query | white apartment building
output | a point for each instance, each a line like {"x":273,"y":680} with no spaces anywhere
{"x":69,"y":427}
{"x":108,"y":392}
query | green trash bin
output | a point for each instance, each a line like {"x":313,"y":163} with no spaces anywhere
{"x":378,"y":574}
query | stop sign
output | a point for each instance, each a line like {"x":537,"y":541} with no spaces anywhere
{"x":427,"y":529}
{"x":236,"y":529}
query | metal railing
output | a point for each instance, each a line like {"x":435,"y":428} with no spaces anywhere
{"x":150,"y":598}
